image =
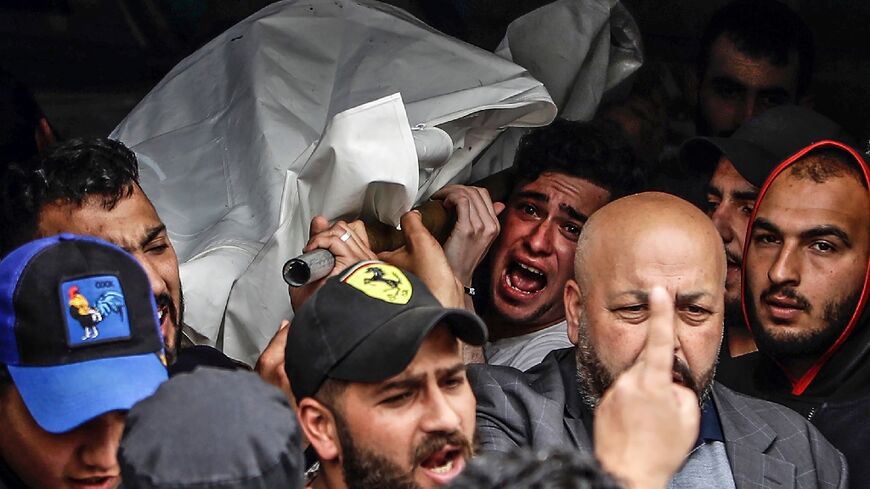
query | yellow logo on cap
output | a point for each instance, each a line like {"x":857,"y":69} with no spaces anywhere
{"x":381,"y":281}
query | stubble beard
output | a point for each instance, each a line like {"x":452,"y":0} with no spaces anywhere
{"x":806,"y":345}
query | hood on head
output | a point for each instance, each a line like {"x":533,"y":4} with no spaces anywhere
{"x":847,"y":361}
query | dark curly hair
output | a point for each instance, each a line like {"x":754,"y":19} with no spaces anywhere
{"x":72,"y":172}
{"x":522,"y":468}
{"x":593,"y":151}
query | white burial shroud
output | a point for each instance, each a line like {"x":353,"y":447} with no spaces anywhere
{"x":306,"y":108}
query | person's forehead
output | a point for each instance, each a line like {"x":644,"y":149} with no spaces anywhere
{"x":126,"y":224}
{"x":669,"y":257}
{"x":561,"y":188}
{"x":795,"y":204}
{"x":726,"y":175}
{"x":753,"y":72}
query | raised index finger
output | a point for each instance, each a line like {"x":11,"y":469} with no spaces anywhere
{"x":658,"y":352}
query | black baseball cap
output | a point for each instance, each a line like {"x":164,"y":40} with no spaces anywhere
{"x":764,"y":141}
{"x":366,"y":325}
{"x":78,"y":330}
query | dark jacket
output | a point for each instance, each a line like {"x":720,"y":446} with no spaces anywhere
{"x":834,"y":394}
{"x":767,"y":445}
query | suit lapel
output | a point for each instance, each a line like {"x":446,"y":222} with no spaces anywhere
{"x":747,"y":439}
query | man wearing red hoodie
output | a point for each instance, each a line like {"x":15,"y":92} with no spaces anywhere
{"x":805,"y":290}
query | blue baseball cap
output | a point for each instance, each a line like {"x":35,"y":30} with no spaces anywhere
{"x":78,"y":330}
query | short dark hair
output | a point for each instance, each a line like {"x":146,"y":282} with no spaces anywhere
{"x":522,"y":468}
{"x":823,"y":164}
{"x":329,"y":392}
{"x":593,"y":151}
{"x":766,"y":29}
{"x":71,"y":172}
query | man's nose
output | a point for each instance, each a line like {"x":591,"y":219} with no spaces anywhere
{"x":721,"y":219}
{"x":100,"y":438}
{"x":158,"y":285}
{"x":440,"y":414}
{"x":785,"y":268}
{"x":540,"y":241}
{"x":750,"y":108}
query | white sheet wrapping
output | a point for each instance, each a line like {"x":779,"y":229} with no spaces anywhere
{"x":305,"y":108}
{"x":580,"y":50}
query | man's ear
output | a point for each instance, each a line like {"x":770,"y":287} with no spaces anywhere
{"x":318,"y":424}
{"x":573,"y":309}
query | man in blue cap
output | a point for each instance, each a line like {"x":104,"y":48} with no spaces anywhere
{"x":79,"y":346}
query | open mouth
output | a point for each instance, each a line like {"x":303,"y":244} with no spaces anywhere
{"x":443,"y":465}
{"x":523,"y":279}
{"x":163,"y":318}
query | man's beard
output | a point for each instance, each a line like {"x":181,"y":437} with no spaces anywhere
{"x":365,"y":469}
{"x":176,"y":317}
{"x":595,"y":378}
{"x":806,"y":344}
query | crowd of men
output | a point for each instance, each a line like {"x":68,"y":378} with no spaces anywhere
{"x":585,"y":332}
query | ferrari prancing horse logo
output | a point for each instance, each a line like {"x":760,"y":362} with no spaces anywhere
{"x":381,"y":281}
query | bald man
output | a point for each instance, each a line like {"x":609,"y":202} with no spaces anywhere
{"x":628,"y":248}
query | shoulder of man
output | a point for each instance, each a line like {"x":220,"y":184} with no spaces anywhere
{"x":754,"y":427}
{"x":517,"y":408}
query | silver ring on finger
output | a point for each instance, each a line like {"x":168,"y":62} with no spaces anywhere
{"x":346,"y":236}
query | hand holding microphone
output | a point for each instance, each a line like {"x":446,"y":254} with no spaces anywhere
{"x":330,"y":250}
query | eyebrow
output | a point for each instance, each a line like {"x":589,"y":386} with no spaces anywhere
{"x":415,"y":381}
{"x":684,"y":298}
{"x":565,"y":208}
{"x":691,"y":297}
{"x":766,"y":225}
{"x":573,"y":213}
{"x":745,"y":195}
{"x":814,"y":232}
{"x":528,"y":194}
{"x":735,"y":195}
{"x":827,"y":230}
{"x":151,"y":234}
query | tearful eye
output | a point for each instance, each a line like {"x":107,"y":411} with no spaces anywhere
{"x":530,"y":210}
{"x":572,"y":229}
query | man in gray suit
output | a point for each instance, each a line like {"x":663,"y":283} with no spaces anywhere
{"x":627,"y":249}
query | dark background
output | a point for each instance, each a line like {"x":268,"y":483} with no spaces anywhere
{"x":90,"y":61}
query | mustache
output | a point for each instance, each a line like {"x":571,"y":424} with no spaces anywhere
{"x":683,"y":371}
{"x":435,"y":442}
{"x":164,"y":300}
{"x":787,"y":292}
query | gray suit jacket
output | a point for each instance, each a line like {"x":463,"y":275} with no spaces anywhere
{"x":768,"y":445}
